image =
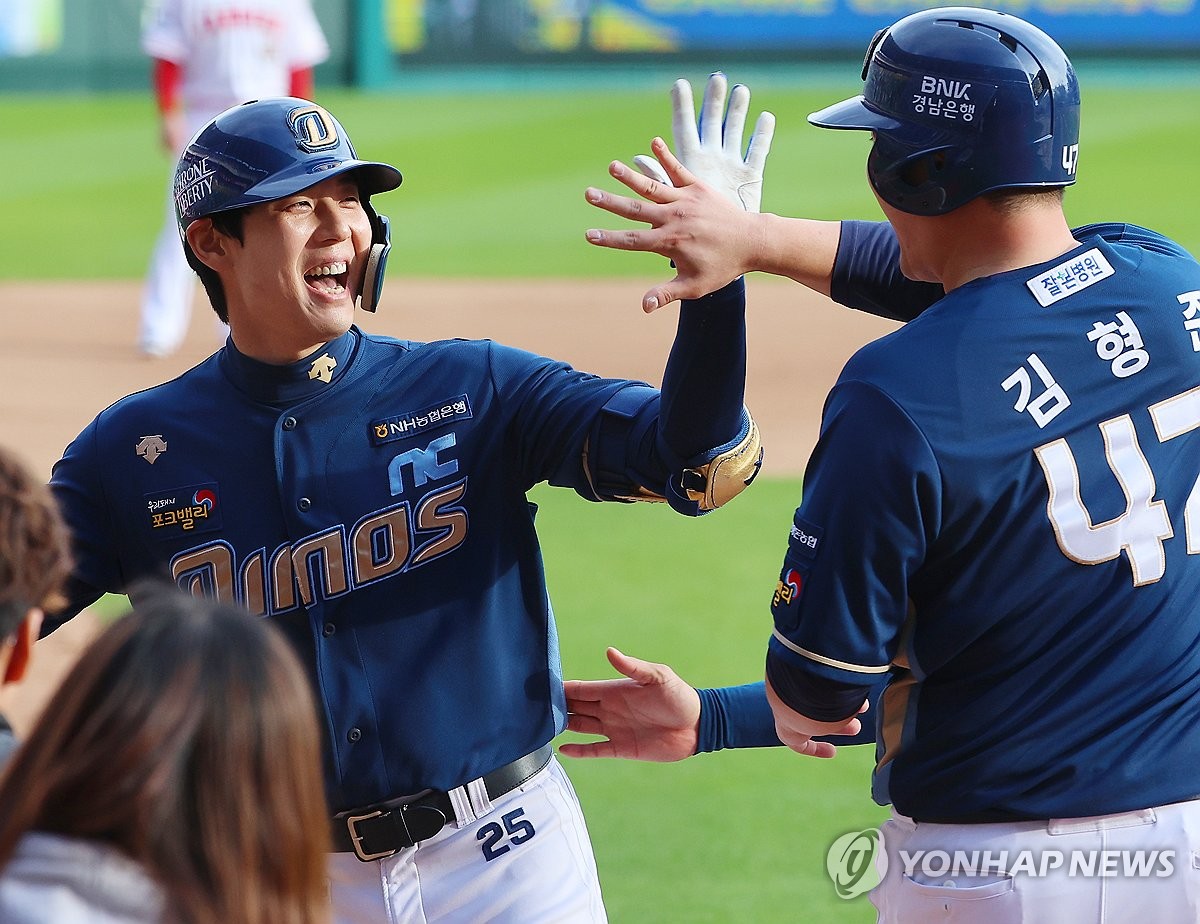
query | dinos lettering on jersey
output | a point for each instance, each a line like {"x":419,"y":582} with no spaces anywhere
{"x":400,"y":426}
{"x":330,"y":563}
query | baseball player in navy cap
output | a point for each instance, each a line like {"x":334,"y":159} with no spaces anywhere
{"x":369,"y":496}
{"x":1000,"y":522}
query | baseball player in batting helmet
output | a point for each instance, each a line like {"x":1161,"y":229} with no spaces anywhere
{"x":997,"y":542}
{"x":368,"y":494}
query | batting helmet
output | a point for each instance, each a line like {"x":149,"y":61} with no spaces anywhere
{"x":270,"y":148}
{"x":963,"y":101}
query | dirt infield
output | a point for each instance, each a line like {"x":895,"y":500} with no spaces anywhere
{"x":71,"y":353}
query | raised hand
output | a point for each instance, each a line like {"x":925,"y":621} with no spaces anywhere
{"x":650,"y":715}
{"x":712,"y":147}
{"x":710,"y":240}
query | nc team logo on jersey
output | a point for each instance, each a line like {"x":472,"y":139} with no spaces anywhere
{"x":400,"y":426}
{"x":313,"y":127}
{"x":178,"y":511}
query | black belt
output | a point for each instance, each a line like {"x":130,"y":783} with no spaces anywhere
{"x":375,"y":832}
{"x":977,"y":818}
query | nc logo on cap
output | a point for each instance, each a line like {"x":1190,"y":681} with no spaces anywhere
{"x":313,"y":127}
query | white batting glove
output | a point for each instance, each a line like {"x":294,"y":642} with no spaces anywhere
{"x":712,"y":148}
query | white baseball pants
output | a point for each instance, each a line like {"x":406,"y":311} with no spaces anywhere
{"x":525,"y":859}
{"x":1141,"y":866}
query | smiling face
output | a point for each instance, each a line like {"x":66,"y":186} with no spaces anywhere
{"x":292,"y":281}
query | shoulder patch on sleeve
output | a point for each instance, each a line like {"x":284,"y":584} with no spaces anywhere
{"x":805,"y":539}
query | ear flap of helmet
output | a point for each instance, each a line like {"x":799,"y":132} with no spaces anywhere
{"x":381,"y":246}
{"x":923,"y":182}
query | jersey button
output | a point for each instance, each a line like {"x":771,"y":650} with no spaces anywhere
{"x":353,"y":735}
{"x":304,"y":503}
{"x":328,"y":629}
{"x":289,"y":423}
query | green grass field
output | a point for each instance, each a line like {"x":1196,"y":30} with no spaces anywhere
{"x":494,"y":187}
{"x":726,"y":837}
{"x":494,"y":180}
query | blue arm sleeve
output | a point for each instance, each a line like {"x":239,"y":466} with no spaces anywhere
{"x":657,"y":438}
{"x":739,"y":717}
{"x":705,"y":379}
{"x":736,"y":717}
{"x":866,"y":274}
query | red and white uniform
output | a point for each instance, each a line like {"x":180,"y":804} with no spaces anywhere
{"x":210,"y":55}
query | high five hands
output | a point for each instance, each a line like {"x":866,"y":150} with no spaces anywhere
{"x":702,"y":207}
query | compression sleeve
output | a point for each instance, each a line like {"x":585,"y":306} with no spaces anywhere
{"x":691,"y":443}
{"x":735,"y":717}
{"x":705,"y":379}
{"x":866,"y":274}
{"x":740,"y":717}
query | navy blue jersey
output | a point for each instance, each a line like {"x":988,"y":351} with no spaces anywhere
{"x":371,"y":500}
{"x":1003,"y":514}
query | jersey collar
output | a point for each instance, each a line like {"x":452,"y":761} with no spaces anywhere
{"x":306,"y":378}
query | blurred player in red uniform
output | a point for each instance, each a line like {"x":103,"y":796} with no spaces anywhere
{"x":210,"y":55}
